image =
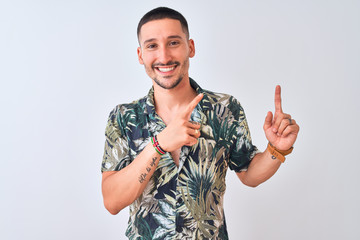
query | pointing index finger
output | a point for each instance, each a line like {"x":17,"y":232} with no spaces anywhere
{"x":278,"y":107}
{"x":193,"y":104}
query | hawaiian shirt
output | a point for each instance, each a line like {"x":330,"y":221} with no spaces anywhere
{"x":185,"y":201}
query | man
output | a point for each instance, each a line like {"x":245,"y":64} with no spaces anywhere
{"x":167,"y":154}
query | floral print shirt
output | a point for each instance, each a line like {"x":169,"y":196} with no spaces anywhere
{"x":185,"y":201}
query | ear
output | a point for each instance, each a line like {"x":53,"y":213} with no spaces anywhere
{"x":192,"y":48}
{"x":139,"y":53}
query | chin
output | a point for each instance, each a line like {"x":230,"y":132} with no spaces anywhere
{"x":165,"y":84}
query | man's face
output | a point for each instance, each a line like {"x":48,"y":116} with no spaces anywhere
{"x":164,"y":51}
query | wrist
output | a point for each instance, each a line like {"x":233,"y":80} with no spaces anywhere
{"x":279,"y":154}
{"x":156,"y":146}
{"x":163,"y":141}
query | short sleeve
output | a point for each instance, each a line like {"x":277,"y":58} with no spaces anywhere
{"x":116,"y":151}
{"x":242,"y":150}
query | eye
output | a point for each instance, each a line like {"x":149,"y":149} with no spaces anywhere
{"x":174,"y":43}
{"x":151,"y":46}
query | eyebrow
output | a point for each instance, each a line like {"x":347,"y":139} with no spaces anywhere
{"x":169,"y":37}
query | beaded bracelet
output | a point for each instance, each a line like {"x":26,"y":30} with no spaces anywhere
{"x":156,"y":145}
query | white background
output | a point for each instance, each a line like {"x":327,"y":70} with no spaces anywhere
{"x":64,"y":65}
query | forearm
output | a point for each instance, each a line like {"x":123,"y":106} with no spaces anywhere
{"x":123,"y":187}
{"x":261,"y":168}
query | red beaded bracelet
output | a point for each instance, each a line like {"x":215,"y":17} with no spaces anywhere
{"x":156,"y":145}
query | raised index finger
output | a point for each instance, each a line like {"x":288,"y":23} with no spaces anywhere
{"x":193,"y":104}
{"x":278,"y":107}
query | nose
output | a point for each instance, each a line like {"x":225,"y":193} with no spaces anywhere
{"x":164,"y":55}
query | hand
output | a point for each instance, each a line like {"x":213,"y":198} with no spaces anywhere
{"x":281,"y":131}
{"x":180,"y":131}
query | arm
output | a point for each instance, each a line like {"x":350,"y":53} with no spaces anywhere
{"x":261,"y":168}
{"x":121,"y":188}
{"x":281,"y":131}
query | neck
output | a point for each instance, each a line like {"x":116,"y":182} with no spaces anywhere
{"x":172,"y":100}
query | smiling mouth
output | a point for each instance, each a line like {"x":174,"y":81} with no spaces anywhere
{"x":165,"y":69}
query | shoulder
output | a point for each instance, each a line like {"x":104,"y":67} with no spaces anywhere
{"x":127,"y":113}
{"x":226,"y":101}
{"x":135,"y":107}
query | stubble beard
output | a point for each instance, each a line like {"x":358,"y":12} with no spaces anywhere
{"x":173,"y":85}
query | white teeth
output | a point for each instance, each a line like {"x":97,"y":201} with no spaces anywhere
{"x":168,"y":69}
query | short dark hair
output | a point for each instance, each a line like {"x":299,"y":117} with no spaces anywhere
{"x":162,"y":13}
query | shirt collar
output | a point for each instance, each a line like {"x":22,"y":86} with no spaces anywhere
{"x":204,"y":103}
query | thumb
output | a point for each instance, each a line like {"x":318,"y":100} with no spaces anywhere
{"x":268,"y":121}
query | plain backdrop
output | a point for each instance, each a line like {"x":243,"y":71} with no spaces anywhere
{"x":64,"y":65}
